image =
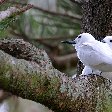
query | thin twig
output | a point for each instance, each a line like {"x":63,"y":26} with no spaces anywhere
{"x":25,"y":8}
{"x":76,"y":2}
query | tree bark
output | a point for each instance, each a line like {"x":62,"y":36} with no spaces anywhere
{"x":97,"y":18}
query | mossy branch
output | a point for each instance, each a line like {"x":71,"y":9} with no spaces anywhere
{"x":10,"y":15}
{"x":13,"y":11}
{"x":35,"y":78}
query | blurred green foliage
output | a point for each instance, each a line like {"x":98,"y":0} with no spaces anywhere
{"x":60,"y":21}
{"x":40,"y":24}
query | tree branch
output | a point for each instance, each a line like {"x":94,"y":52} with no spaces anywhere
{"x":60,"y":62}
{"x":36,"y":79}
{"x":51,"y":88}
{"x":7,"y":13}
{"x":76,"y":2}
{"x":13,"y":11}
{"x":24,"y":50}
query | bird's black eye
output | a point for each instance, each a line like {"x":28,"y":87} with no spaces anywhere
{"x":110,"y":40}
{"x":79,"y":36}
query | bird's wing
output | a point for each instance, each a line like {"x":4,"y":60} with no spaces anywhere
{"x":102,"y":49}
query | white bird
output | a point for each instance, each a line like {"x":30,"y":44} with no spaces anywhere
{"x":108,"y":40}
{"x":4,"y":107}
{"x":87,"y":70}
{"x":92,"y":53}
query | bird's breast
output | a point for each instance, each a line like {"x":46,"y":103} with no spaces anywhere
{"x":88,"y":57}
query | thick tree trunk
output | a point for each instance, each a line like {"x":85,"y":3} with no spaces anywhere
{"x":97,"y":17}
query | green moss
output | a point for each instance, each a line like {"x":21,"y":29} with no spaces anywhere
{"x":4,"y":76}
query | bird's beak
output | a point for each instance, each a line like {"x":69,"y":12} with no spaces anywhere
{"x":69,"y":42}
{"x":103,"y":41}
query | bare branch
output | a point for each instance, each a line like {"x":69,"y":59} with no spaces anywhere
{"x":76,"y":2}
{"x":25,"y":8}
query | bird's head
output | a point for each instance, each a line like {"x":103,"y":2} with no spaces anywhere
{"x":108,"y":40}
{"x":84,"y":37}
